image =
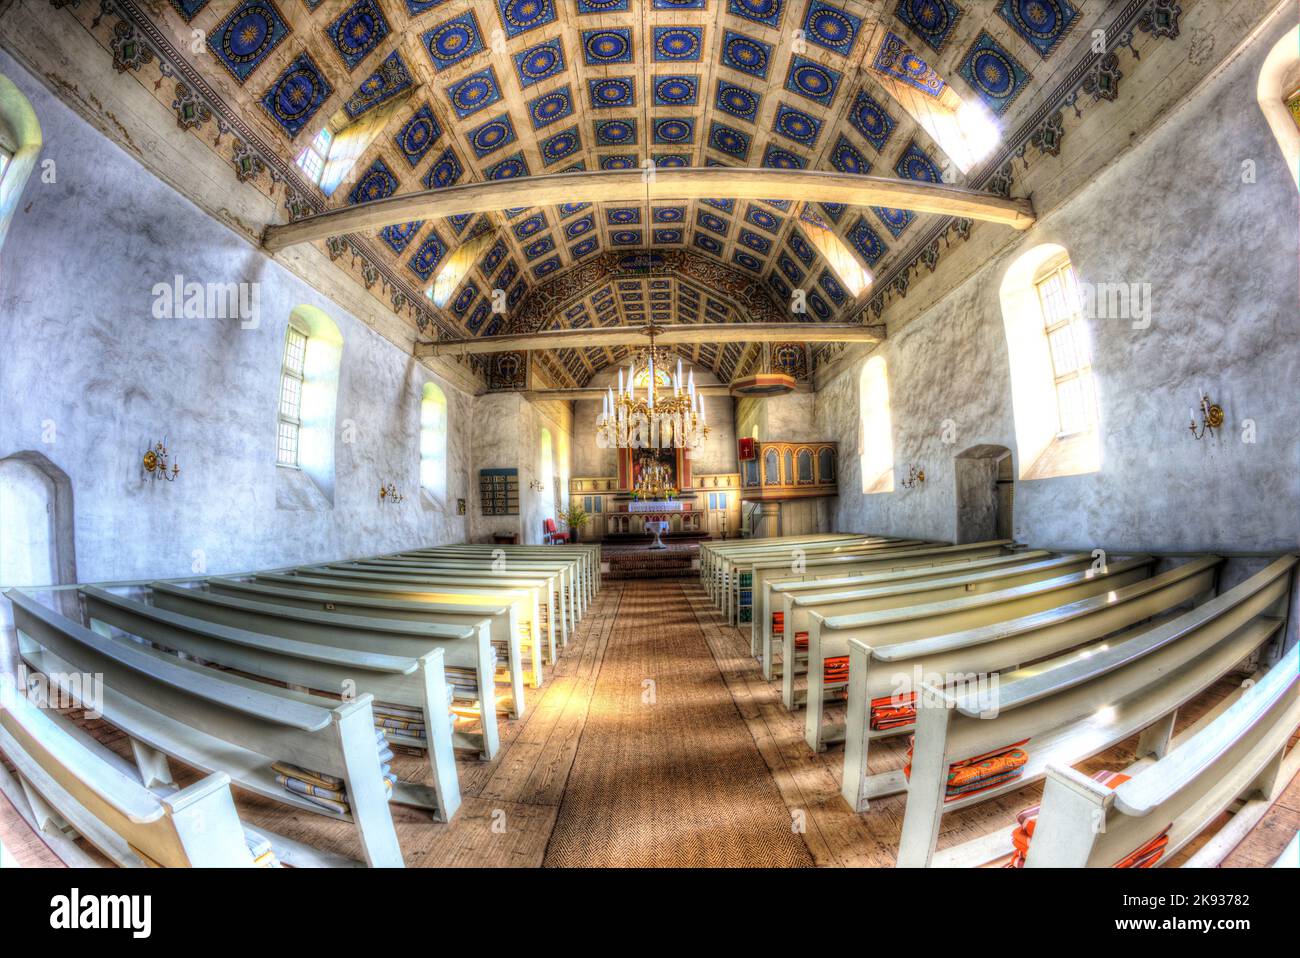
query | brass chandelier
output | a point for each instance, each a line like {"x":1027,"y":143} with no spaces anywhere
{"x":673,"y":420}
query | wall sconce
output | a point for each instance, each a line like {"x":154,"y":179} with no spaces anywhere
{"x":536,"y":486}
{"x":460,"y":507}
{"x":1211,"y":417}
{"x":914,"y":476}
{"x":155,"y":463}
{"x":389,"y":493}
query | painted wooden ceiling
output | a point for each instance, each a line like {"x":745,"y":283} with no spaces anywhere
{"x":484,"y":89}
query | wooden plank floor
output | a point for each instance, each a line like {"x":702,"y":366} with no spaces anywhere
{"x":515,"y":806}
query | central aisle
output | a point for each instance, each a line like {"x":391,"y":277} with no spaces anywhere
{"x":667,"y":772}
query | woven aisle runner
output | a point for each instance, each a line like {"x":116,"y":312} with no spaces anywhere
{"x":668,"y":775}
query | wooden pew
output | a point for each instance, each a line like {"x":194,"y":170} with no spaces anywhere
{"x":466,"y":649}
{"x":566,"y":595}
{"x":502,"y":621}
{"x":877,"y":672}
{"x":829,"y":637}
{"x":1075,"y":705}
{"x":737,"y":599}
{"x":415,"y":680}
{"x":69,"y":783}
{"x":729,"y":579}
{"x":904,"y":589}
{"x":215,"y":722}
{"x":713,"y":555}
{"x":774,"y":582}
{"x":1239,"y":754}
{"x":533,"y":631}
{"x":584,"y":559}
{"x":586,"y":556}
{"x":768,"y":574}
{"x":470,"y":584}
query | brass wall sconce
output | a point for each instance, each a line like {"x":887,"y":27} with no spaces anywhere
{"x":460,"y":507}
{"x":389,"y":493}
{"x":914,"y":477}
{"x":1211,"y":418}
{"x":156,"y":463}
{"x":536,"y":486}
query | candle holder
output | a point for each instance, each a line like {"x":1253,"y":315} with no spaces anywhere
{"x":156,"y":462}
{"x":389,"y":493}
{"x":914,"y":477}
{"x":1211,"y":418}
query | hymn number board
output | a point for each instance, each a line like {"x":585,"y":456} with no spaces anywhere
{"x":499,"y":491}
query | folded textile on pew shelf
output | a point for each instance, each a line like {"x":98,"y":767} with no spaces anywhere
{"x":893,"y":711}
{"x":1027,"y":819}
{"x":835,"y":670}
{"x":980,"y":772}
{"x":329,"y":791}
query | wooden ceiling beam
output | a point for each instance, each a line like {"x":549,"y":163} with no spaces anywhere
{"x":675,"y":335}
{"x":595,"y":393}
{"x":598,"y":186}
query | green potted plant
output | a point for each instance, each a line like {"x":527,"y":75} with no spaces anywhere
{"x":574,"y":518}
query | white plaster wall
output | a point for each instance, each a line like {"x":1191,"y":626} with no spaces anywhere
{"x":89,"y":378}
{"x":507,"y":434}
{"x":1221,"y":258}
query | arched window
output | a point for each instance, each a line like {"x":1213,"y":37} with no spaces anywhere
{"x":546,"y":470}
{"x":1053,"y":390}
{"x":433,"y":443}
{"x":20,"y":146}
{"x":876,"y":440}
{"x":309,"y":381}
{"x":1278,"y":92}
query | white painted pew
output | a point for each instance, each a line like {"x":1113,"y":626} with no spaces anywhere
{"x":566,"y":595}
{"x":858,"y":571}
{"x":893,"y":669}
{"x":584,"y":555}
{"x":502,"y":620}
{"x":767,"y":575}
{"x":782,"y":596}
{"x":1078,"y":704}
{"x":1239,"y":754}
{"x":829,"y":637}
{"x":217,"y":723}
{"x":67,"y":782}
{"x":737,"y":599}
{"x":737,"y":571}
{"x":896,"y":593}
{"x":711,"y":553}
{"x":719,"y":555}
{"x":544,"y":617}
{"x":532,"y":630}
{"x":553,"y":600}
{"x":581,"y":560}
{"x":415,"y":680}
{"x":468,"y":649}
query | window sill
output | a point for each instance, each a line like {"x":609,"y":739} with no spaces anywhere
{"x":1076,"y":454}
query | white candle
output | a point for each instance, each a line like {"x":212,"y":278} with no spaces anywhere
{"x":1192,"y":412}
{"x":620,"y":380}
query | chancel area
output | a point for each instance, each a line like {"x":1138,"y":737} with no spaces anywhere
{"x":626,"y":433}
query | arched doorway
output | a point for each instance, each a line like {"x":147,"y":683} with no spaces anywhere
{"x":36,"y":537}
{"x":985,"y":492}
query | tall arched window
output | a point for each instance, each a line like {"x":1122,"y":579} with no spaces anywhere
{"x":1278,"y":92}
{"x":433,"y":443}
{"x":1053,"y":390}
{"x":546,"y":472}
{"x":876,"y":428}
{"x":309,"y":381}
{"x":20,"y":146}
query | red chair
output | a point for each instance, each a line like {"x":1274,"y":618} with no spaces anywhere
{"x":550,"y":535}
